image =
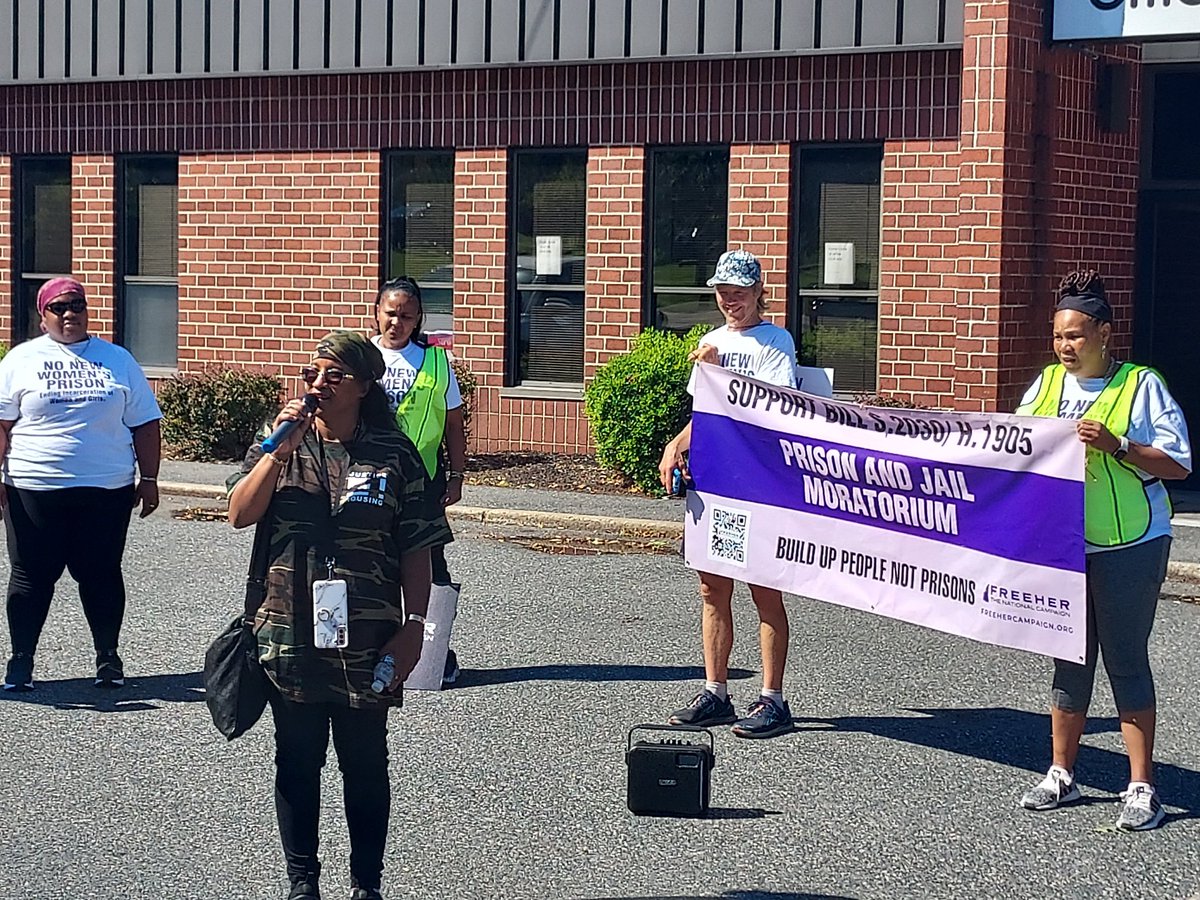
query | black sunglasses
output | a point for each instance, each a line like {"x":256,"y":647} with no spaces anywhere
{"x":62,"y":307}
{"x":310,"y":374}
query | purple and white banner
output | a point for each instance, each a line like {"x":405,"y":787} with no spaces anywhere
{"x":970,"y":523}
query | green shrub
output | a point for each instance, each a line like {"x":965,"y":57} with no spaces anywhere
{"x":215,"y":413}
{"x":638,"y":402}
{"x":467,"y":385}
{"x":3,"y":350}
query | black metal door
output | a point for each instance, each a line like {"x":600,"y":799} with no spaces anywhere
{"x":1172,"y":280}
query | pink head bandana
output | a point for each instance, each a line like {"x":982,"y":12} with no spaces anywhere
{"x":54,"y":289}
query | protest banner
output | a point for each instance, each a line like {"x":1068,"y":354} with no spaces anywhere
{"x":970,"y":523}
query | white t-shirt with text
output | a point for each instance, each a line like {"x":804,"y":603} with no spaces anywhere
{"x":402,"y":367}
{"x":72,"y":407}
{"x":1155,"y":420}
{"x":766,"y":352}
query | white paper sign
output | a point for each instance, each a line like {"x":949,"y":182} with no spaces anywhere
{"x":811,"y":380}
{"x":839,"y":263}
{"x":549,"y":255}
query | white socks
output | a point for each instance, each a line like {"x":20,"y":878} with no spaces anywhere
{"x":719,"y":688}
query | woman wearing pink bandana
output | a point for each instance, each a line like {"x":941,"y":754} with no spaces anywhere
{"x":76,"y":416}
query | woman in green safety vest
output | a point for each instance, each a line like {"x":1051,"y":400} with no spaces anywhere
{"x":1136,"y":438}
{"x":422,"y":390}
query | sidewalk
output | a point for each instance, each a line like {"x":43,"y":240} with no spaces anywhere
{"x":609,"y":511}
{"x":482,"y":503}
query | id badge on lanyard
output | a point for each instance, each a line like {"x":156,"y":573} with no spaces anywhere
{"x":331,"y":612}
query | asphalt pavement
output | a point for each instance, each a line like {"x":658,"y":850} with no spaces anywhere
{"x":901,"y":779}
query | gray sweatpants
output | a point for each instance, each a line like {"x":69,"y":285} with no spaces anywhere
{"x":1122,"y":593}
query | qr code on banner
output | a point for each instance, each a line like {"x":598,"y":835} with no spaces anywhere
{"x":727,"y":533}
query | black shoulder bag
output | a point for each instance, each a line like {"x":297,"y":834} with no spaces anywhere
{"x":235,"y":685}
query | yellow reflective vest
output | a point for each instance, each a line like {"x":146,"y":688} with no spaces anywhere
{"x":421,"y":413}
{"x":1116,"y":507}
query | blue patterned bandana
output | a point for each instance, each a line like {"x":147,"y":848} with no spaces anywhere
{"x":739,"y":267}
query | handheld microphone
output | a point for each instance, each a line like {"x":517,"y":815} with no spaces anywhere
{"x":280,"y":434}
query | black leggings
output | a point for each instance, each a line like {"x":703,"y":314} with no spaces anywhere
{"x":81,"y":529}
{"x":360,"y":739}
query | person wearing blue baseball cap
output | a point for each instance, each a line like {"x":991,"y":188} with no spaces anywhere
{"x":750,"y":346}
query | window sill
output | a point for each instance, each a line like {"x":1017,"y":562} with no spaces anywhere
{"x":534,"y":390}
{"x":153,"y":372}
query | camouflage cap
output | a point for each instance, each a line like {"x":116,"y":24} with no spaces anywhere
{"x":357,"y":354}
{"x":737,"y":267}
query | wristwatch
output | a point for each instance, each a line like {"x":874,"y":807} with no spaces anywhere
{"x":1122,"y":451}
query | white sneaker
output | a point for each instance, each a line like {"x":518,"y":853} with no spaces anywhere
{"x":1141,"y":811}
{"x":1056,"y":789}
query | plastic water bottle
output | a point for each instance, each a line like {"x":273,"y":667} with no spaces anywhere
{"x":385,"y":671}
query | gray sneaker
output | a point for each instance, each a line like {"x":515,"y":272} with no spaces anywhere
{"x":705,"y":709}
{"x":1057,"y":789}
{"x":765,"y":718}
{"x":1141,"y":811}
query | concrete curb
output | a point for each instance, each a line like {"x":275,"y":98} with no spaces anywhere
{"x":1176,"y":571}
{"x":1183,"y":571}
{"x":185,"y":489}
{"x":492,"y":516}
{"x":482,"y":514}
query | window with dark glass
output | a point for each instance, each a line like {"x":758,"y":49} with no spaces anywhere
{"x":148,"y":233}
{"x":688,"y":228}
{"x":419,"y":206}
{"x":837,"y":263}
{"x":43,"y":225}
{"x":547,"y":262}
{"x":1176,"y":127}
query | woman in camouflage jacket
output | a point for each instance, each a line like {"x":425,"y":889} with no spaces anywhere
{"x":342,"y":497}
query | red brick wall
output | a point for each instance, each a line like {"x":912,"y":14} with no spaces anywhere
{"x":977,"y":232}
{"x":1042,"y":189}
{"x":616,"y":185}
{"x":6,"y":249}
{"x":743,"y":100}
{"x":94,"y":236}
{"x":279,"y":219}
{"x":1082,"y":198}
{"x":274,"y":251}
{"x":759,"y":185}
{"x":917,"y":296}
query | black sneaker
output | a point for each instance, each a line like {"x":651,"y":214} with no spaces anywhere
{"x":304,"y":890}
{"x":705,"y":709}
{"x":765,"y":718}
{"x":360,"y":893}
{"x":452,"y":671}
{"x":19,"y":674}
{"x":110,"y":671}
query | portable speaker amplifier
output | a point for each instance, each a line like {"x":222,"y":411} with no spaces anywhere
{"x":671,"y":776}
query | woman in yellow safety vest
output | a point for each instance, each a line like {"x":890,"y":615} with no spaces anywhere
{"x":1136,"y":438}
{"x":422,"y":390}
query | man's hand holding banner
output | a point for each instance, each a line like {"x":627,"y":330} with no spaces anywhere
{"x":969,"y":523}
